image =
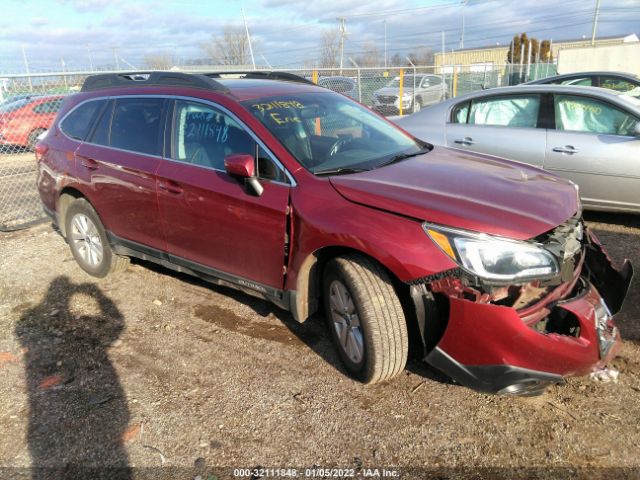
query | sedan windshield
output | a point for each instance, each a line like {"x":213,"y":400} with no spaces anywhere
{"x":331,"y":134}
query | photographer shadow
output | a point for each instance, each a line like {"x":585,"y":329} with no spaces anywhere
{"x":77,"y":408}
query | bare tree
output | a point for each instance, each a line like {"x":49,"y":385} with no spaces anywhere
{"x":158,"y":62}
{"x":370,"y":56}
{"x":231,"y":48}
{"x":330,"y":48}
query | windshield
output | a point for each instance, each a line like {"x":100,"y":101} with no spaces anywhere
{"x":13,"y":106}
{"x":329,"y":133}
{"x":407,"y":81}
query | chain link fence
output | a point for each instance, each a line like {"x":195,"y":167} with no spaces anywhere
{"x":28,"y":106}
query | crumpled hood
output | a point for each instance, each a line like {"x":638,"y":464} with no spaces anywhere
{"x":468,"y":191}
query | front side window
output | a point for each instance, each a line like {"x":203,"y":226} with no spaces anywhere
{"x":136,"y":125}
{"x":326,"y":132}
{"x":584,"y":114}
{"x":204,"y":136}
{"x":76,"y":125}
{"x":517,"y":111}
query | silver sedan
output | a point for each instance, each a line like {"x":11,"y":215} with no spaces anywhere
{"x":586,"y":134}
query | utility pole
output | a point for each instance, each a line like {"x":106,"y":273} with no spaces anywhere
{"x":64,"y":70}
{"x":26,"y":67}
{"x":385,"y":44}
{"x":115,"y":57}
{"x":90,"y":59}
{"x":595,"y":23}
{"x":246,"y":27}
{"x":343,"y":32}
{"x":464,"y":4}
{"x":266,"y":61}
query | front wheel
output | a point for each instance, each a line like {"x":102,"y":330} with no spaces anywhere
{"x":88,"y":241}
{"x":365,"y":318}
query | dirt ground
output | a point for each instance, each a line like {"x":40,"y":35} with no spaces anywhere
{"x":150,"y":369}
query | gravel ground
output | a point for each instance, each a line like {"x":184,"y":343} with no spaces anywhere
{"x":150,"y":369}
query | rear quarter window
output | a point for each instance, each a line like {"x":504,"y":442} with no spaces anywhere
{"x":77,"y":124}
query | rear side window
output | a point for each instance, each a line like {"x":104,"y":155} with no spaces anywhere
{"x":77,"y":124}
{"x":617,"y":84}
{"x":136,"y":125}
{"x":51,"y":106}
{"x":516,"y":111}
{"x":581,"y":82}
{"x":584,"y":114}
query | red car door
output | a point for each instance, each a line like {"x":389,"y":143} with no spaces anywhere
{"x":119,"y":163}
{"x":209,"y":218}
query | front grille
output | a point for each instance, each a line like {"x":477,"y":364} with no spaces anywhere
{"x":387,"y":98}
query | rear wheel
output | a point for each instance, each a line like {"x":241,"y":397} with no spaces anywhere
{"x":365,"y":318}
{"x":88,"y":241}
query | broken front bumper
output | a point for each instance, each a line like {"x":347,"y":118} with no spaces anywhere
{"x":491,"y":348}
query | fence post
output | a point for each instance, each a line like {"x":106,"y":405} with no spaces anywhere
{"x":314,"y":76}
{"x":359,"y":82}
{"x":413,"y":94}
{"x":401,"y":91}
{"x":455,"y":81}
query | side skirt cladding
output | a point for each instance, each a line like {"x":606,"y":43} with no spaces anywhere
{"x":132,"y":249}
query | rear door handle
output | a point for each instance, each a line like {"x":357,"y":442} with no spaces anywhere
{"x":568,"y":149}
{"x":89,"y":163}
{"x":465,"y":141}
{"x":171,"y":187}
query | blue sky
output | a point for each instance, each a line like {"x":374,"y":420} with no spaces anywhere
{"x":285,"y":32}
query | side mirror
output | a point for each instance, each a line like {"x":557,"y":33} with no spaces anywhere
{"x":242,"y":165}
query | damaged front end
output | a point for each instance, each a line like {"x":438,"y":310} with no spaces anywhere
{"x":493,"y":328}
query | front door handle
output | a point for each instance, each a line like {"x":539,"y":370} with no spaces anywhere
{"x":465,"y":141}
{"x":89,"y":163}
{"x":568,"y":149}
{"x":171,"y":187}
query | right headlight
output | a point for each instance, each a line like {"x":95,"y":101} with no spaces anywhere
{"x":493,"y":258}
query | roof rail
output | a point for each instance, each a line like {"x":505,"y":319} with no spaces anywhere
{"x":261,"y":74}
{"x":150,"y":79}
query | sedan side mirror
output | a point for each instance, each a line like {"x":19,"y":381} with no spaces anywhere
{"x":242,"y":165}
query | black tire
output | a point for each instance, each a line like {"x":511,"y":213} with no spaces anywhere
{"x":379,"y":314}
{"x":417,"y":106}
{"x":33,"y":139}
{"x":108,"y":262}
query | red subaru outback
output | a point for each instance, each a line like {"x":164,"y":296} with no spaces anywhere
{"x":275,"y":186}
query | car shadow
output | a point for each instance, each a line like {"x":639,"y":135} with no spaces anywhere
{"x":78,"y":411}
{"x":313,"y":333}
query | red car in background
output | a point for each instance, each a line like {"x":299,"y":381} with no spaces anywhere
{"x":22,"y":121}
